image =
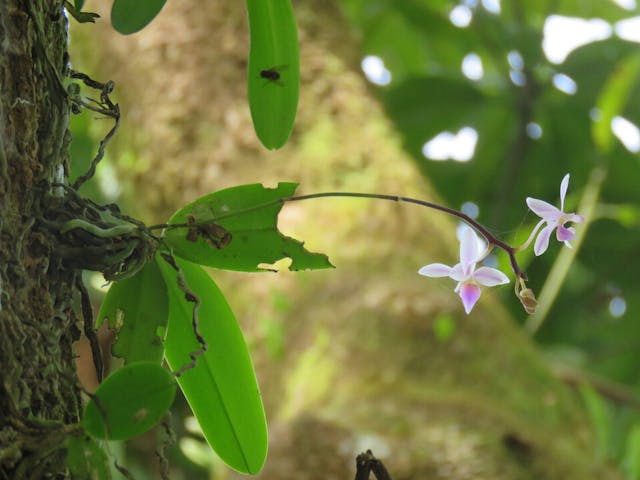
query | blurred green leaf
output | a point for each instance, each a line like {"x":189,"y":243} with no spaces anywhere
{"x":255,"y":238}
{"x":138,"y":308}
{"x":129,"y":402}
{"x":613,"y":98}
{"x":131,"y":16}
{"x":600,"y":418}
{"x":78,"y":4}
{"x":444,"y":327}
{"x":221,"y":389}
{"x":86,"y":459}
{"x":274,"y":70}
{"x":422,"y":107}
{"x":631,"y":461}
{"x":534,"y":12}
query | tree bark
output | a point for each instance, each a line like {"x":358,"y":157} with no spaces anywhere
{"x":38,"y":393}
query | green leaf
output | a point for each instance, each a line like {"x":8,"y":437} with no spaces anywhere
{"x":221,"y":389}
{"x":255,"y":238}
{"x":613,"y":98}
{"x":86,"y":459}
{"x":81,"y":17}
{"x":129,"y":402}
{"x":274,"y":70}
{"x":131,"y":16}
{"x":631,"y":460}
{"x":138,"y":308}
{"x":600,"y":417}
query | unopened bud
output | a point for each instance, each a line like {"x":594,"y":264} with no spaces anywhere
{"x":528,"y":300}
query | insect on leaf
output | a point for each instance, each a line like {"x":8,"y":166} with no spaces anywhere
{"x":131,"y":16}
{"x":138,"y":308}
{"x":221,"y":389}
{"x":129,"y":402}
{"x":274,"y":70}
{"x":254,"y":236}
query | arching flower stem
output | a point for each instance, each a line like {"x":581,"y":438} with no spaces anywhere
{"x":492,"y":241}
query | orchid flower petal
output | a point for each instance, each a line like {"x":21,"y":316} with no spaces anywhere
{"x":468,"y":249}
{"x":435,"y":270}
{"x":490,"y":277}
{"x":543,"y":209}
{"x":573,"y":217}
{"x":564,"y":185}
{"x":469,"y":293}
{"x":542,"y":242}
{"x":564,"y":234}
{"x":458,"y":274}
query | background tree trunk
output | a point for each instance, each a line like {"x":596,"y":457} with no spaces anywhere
{"x":38,"y":395}
{"x":347,"y":359}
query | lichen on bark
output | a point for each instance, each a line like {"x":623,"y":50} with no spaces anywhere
{"x":38,"y":392}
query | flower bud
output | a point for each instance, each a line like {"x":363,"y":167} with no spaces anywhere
{"x":528,"y":300}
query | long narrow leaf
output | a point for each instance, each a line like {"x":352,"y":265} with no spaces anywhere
{"x":274,"y":70}
{"x":221,"y":388}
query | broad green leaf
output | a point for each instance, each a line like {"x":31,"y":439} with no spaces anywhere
{"x":86,"y":459}
{"x":138,"y":308}
{"x":255,"y":238}
{"x":78,"y":4}
{"x":131,"y":16}
{"x":221,"y":389}
{"x":274,"y":70}
{"x":613,"y":99}
{"x":129,"y":402}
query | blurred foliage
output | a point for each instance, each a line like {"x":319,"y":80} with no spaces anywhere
{"x":429,"y":94}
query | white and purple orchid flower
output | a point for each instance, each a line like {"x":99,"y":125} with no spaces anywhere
{"x":469,"y":277}
{"x":555,"y":219}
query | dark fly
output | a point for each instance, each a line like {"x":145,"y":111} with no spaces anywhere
{"x":270,"y":74}
{"x":273,"y":74}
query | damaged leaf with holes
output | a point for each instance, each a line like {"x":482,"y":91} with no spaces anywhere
{"x":242,"y":231}
{"x":129,"y":402}
{"x":138,"y":309}
{"x":221,"y":386}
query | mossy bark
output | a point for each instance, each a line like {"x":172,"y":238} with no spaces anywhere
{"x":347,"y":359}
{"x":38,"y":394}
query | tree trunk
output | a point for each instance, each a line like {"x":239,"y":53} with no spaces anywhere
{"x":38,"y":393}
